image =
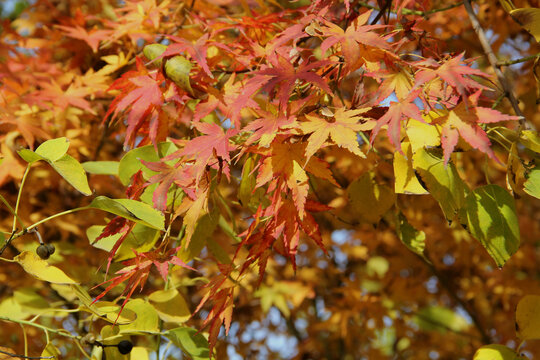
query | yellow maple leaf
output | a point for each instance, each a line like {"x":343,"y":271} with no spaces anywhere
{"x":342,"y":128}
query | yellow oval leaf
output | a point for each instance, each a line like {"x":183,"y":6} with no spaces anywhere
{"x":41,"y":269}
{"x":529,"y":18}
{"x":528,"y":317}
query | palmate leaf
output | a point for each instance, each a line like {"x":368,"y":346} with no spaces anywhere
{"x":140,"y":96}
{"x":463,"y":121}
{"x":343,"y":130}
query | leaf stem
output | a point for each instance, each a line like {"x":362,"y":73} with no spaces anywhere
{"x":23,"y":180}
{"x":61,"y":332}
{"x":50,"y":218}
{"x":12,"y":211}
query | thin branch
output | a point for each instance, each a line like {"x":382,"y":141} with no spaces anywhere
{"x":518,"y":61}
{"x":492,"y":58}
{"x":26,"y":357}
{"x":414,"y":12}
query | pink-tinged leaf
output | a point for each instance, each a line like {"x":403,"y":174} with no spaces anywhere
{"x":455,"y":72}
{"x":464,"y":120}
{"x":266,"y":127}
{"x":284,"y":75}
{"x":396,"y":113}
{"x":92,"y":38}
{"x":140,"y":97}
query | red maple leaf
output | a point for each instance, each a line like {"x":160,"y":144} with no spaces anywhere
{"x":140,"y":97}
{"x":396,"y":113}
{"x":349,"y":39}
{"x":92,"y":38}
{"x":283,"y":75}
{"x":454,"y":71}
{"x":136,"y":271}
{"x":464,"y":120}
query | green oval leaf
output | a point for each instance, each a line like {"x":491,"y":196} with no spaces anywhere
{"x":101,"y":167}
{"x":29,"y":156}
{"x":132,"y":210}
{"x":54,"y":149}
{"x":190,"y":341}
{"x":72,"y":171}
{"x":442,"y":181}
{"x":141,"y":238}
{"x":532,"y":185}
{"x":131,"y":162}
{"x":414,"y":239}
{"x":490,"y":216}
{"x":438,"y":318}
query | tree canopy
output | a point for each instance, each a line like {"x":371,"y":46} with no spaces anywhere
{"x":326,"y":179}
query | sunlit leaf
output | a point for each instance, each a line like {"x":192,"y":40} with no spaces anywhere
{"x":147,"y":320}
{"x":41,"y":269}
{"x":490,"y":215}
{"x":442,"y":181}
{"x":170,"y":305}
{"x":53,"y":150}
{"x":529,"y":18}
{"x":406,"y":181}
{"x":532,"y":185}
{"x":72,"y":171}
{"x":51,"y":350}
{"x":130,"y":209}
{"x":496,"y":352}
{"x":101,"y":167}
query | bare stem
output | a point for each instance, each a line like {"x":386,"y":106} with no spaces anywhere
{"x":24,"y":356}
{"x":492,"y":58}
{"x":415,"y":12}
{"x":518,"y":61}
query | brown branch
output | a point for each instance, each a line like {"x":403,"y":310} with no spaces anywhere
{"x":26,"y":357}
{"x":414,"y":12}
{"x":492,"y":58}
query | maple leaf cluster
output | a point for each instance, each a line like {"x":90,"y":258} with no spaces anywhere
{"x":254,"y":99}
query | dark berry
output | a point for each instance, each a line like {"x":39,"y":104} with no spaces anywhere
{"x":125,"y":347}
{"x":43,"y":252}
{"x":50,"y":248}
